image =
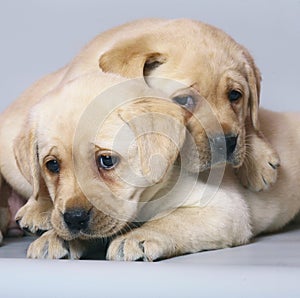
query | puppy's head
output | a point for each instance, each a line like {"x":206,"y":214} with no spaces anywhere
{"x":220,"y":82}
{"x":96,"y":158}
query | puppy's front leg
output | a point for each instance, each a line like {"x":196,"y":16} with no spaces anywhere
{"x":260,"y":167}
{"x":186,"y":230}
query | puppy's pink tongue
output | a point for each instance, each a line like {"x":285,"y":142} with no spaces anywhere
{"x":15,"y":202}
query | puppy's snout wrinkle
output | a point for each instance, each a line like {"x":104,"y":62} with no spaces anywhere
{"x":76,"y":219}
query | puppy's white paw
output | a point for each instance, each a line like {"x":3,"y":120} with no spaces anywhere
{"x":140,"y":245}
{"x":34,"y":216}
{"x":51,"y":246}
{"x":260,"y":170}
{"x":48,"y":246}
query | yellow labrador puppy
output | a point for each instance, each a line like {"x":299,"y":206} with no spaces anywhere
{"x":111,"y":170}
{"x":206,"y":60}
{"x":95,"y":178}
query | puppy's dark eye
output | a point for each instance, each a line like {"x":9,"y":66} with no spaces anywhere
{"x":186,"y":101}
{"x":107,"y":162}
{"x":53,"y":166}
{"x":234,"y":96}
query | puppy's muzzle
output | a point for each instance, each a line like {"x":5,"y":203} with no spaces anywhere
{"x":223,"y":148}
{"x":76,"y":219}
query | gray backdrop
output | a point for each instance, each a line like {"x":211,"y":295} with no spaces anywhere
{"x":39,"y":36}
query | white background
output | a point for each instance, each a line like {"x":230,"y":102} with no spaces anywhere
{"x":39,"y":36}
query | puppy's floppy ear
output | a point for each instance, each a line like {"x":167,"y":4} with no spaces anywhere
{"x":132,"y":58}
{"x":159,"y":129}
{"x":26,"y":155}
{"x":254,"y":79}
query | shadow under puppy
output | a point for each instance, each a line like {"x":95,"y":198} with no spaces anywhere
{"x":98,"y":177}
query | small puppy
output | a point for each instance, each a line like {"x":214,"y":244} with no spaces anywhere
{"x":91,"y":180}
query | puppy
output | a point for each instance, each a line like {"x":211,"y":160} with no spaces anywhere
{"x":103,"y":179}
{"x":202,"y":58}
{"x":96,"y":177}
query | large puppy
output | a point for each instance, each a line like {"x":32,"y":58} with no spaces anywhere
{"x":206,"y":60}
{"x":103,"y":178}
{"x":90,"y":181}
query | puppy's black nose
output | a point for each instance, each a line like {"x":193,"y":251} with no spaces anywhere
{"x":231,"y":141}
{"x":76,"y":219}
{"x":223,"y":146}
